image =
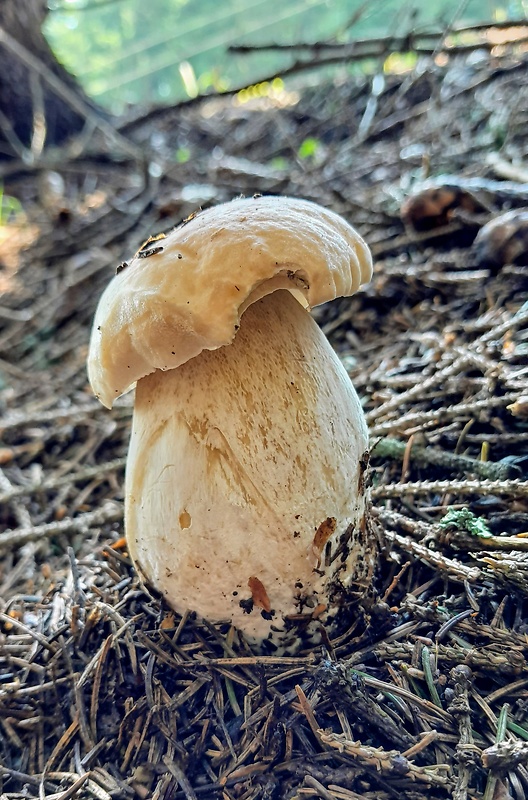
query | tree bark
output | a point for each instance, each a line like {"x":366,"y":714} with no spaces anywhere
{"x":32,"y":114}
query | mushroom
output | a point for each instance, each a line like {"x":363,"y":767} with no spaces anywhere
{"x":503,"y":240}
{"x":245,"y":498}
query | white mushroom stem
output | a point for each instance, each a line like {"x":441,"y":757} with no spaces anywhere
{"x":244,"y":474}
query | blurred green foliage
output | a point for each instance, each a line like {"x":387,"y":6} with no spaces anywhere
{"x":309,"y":148}
{"x":153,"y":51}
{"x":10,"y":207}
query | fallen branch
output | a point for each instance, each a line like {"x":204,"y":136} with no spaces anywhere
{"x":439,"y":415}
{"x":516,"y":488}
{"x":433,"y":456}
{"x":387,"y":761}
{"x":376,"y":44}
{"x":454,"y":569}
{"x":99,"y":470}
{"x":110,"y":512}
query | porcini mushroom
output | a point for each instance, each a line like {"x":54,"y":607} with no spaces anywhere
{"x":245,"y":497}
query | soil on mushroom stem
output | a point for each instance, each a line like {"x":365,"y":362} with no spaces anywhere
{"x":104,"y":692}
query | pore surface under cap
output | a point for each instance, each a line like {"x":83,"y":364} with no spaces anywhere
{"x":160,"y":311}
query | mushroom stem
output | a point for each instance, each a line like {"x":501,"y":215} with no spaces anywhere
{"x":244,"y":476}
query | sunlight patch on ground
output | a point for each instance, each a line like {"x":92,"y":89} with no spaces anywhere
{"x":14,"y":238}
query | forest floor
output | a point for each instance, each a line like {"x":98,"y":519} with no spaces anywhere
{"x":104,"y":692}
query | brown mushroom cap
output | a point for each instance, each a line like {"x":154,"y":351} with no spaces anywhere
{"x":163,"y":310}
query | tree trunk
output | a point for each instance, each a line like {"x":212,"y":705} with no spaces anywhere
{"x":32,"y":113}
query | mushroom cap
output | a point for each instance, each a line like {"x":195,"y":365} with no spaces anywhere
{"x":166,"y":307}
